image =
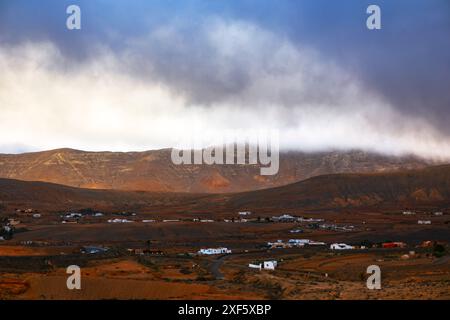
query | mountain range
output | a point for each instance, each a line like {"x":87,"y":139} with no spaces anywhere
{"x":154,"y":170}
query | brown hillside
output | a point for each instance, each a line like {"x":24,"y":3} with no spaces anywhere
{"x":422,"y":187}
{"x":428,"y":186}
{"x":154,"y":171}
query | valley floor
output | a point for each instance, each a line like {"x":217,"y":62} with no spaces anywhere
{"x":33,"y":264}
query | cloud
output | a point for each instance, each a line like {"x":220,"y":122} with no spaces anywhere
{"x":164,"y":85}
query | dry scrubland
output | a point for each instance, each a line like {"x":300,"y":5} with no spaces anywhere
{"x":38,"y":272}
{"x":321,"y":276}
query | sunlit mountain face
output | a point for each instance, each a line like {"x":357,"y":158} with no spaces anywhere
{"x":143,"y":75}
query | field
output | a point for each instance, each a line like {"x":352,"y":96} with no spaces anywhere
{"x":33,"y":264}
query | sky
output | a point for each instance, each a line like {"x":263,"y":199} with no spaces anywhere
{"x":143,"y":75}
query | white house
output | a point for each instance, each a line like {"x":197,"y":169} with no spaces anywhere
{"x":270,"y":265}
{"x":299,"y":241}
{"x":340,"y":246}
{"x":74,"y":215}
{"x":211,"y":251}
{"x":424,"y":222}
{"x":255,"y":266}
{"x":267,"y":265}
{"x":119,"y":221}
{"x":316,"y":243}
{"x":245,"y":213}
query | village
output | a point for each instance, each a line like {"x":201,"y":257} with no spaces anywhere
{"x":233,"y":245}
{"x":301,"y":225}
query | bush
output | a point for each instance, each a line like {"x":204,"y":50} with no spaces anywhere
{"x":438,"y":250}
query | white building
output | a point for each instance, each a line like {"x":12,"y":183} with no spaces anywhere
{"x":317,"y":243}
{"x":299,"y":241}
{"x":340,"y":246}
{"x":73,"y":215}
{"x":423,"y":222}
{"x":270,"y":265}
{"x":302,"y":219}
{"x":244,"y":213}
{"x":255,"y":266}
{"x":211,"y":251}
{"x":266,"y":265}
{"x":119,"y":221}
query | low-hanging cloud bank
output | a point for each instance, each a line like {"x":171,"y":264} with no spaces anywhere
{"x":165,"y":86}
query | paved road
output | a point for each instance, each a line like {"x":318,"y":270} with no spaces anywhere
{"x":217,"y":263}
{"x":215,"y":266}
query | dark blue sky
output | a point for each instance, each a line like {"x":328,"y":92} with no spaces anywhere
{"x":407,"y":62}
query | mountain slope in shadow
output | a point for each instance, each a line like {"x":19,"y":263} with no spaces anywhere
{"x":423,"y":187}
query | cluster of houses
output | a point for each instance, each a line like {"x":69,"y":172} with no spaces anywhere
{"x":335,"y":227}
{"x":289,"y":218}
{"x":118,"y":220}
{"x":423,"y":222}
{"x":214,"y":251}
{"x":243,"y":217}
{"x":411,"y":213}
{"x":298,"y":243}
{"x":75,"y":217}
{"x":202,"y":220}
{"x":280,"y":244}
{"x":341,"y":246}
{"x":7,"y":228}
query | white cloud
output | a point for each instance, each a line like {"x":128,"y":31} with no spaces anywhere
{"x":46,"y":102}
